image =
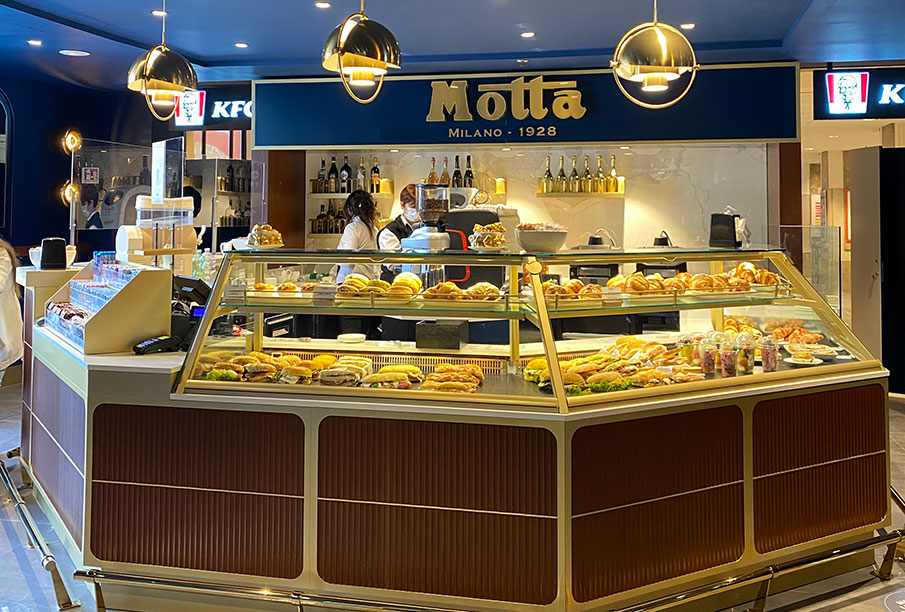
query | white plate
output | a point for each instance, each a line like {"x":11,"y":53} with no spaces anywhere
{"x":351,"y":338}
{"x":483,"y":249}
{"x":799,"y":362}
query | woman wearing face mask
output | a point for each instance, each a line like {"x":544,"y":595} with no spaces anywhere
{"x":90,"y":199}
{"x":390,"y":237}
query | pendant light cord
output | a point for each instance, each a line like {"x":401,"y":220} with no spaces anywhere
{"x":163,"y":33}
{"x":655,"y":10}
{"x":362,"y":7}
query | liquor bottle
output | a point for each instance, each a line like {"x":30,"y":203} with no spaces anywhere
{"x":361,"y":182}
{"x":457,"y":175}
{"x":468,"y":180}
{"x":432,"y":175}
{"x":144,"y":178}
{"x":230,"y":178}
{"x":562,"y":183}
{"x":331,"y":219}
{"x":333,"y":177}
{"x":375,"y":178}
{"x":322,"y":176}
{"x":574,"y":179}
{"x":444,"y":177}
{"x":601,"y":175}
{"x":320,"y":222}
{"x":240,"y":179}
{"x":612,"y":182}
{"x":587,"y":179}
{"x":547,"y":182}
{"x":345,"y":176}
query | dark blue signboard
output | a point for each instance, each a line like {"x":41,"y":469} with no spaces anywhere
{"x":725,"y":104}
{"x":878,"y":93}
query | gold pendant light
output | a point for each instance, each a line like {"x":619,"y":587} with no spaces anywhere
{"x":361,"y":50}
{"x":161,"y":75}
{"x":654,"y":54}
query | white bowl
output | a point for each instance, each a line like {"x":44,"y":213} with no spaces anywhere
{"x":34,"y":255}
{"x":541,"y":241}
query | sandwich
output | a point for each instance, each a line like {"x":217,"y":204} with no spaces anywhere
{"x":314,"y":366}
{"x":448,"y":387}
{"x":377,"y":286}
{"x":215,"y":356}
{"x":410,"y":280}
{"x":244,"y":360}
{"x":325,"y":360}
{"x":463,"y":377}
{"x":400,"y":292}
{"x":277,"y":362}
{"x":585,"y":369}
{"x":363,"y":363}
{"x":469,"y":368}
{"x":340,"y":377}
{"x":413,"y":372}
{"x":292,"y":360}
{"x":533,"y":369}
{"x":607,"y":381}
{"x":650,"y":378}
{"x":387,"y":380}
{"x":229,"y":365}
{"x":259,"y":355}
{"x":225,"y":375}
{"x":260,"y":372}
{"x":295,"y":375}
{"x":574,"y":384}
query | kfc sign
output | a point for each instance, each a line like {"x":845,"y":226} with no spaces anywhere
{"x":226,"y":107}
{"x":846,"y":92}
{"x":190,"y":109}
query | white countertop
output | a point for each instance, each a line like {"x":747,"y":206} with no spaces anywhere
{"x":168,"y":363}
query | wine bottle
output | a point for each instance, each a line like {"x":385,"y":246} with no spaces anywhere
{"x":601,"y":175}
{"x":547,"y":181}
{"x":144,"y":177}
{"x":361,"y":182}
{"x":587,"y":179}
{"x":320,"y":222}
{"x":375,"y":178}
{"x":562,"y":183}
{"x":330,"y":226}
{"x":468,"y":180}
{"x":574,"y":179}
{"x":612,"y":182}
{"x":444,"y":178}
{"x":322,"y":176}
{"x":457,"y":175}
{"x":333,"y":177}
{"x":432,"y":177}
{"x":345,"y":176}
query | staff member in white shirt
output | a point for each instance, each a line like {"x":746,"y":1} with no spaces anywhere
{"x":390,"y":237}
{"x":360,"y":233}
{"x":11,"y":347}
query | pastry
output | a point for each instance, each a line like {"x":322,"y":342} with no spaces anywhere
{"x":701,"y":281}
{"x":410,"y":280}
{"x":287,"y":286}
{"x":573,"y":285}
{"x":483,"y":291}
{"x":654,"y":283}
{"x":554,"y":289}
{"x":685,"y":277}
{"x":636,"y":282}
{"x":444,"y":291}
{"x":325,"y":360}
{"x":765,"y":277}
{"x":399,"y":292}
{"x":720,"y":281}
{"x":359,"y":280}
{"x":295,"y":375}
{"x":738,"y":283}
{"x":377,"y":286}
{"x":387,"y":380}
{"x":308,"y":287}
{"x":413,"y":372}
{"x":591,"y":291}
{"x":264,"y":287}
{"x":616,"y":281}
{"x":264,"y":235}
{"x":674,"y":284}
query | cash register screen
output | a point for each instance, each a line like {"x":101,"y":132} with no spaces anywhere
{"x":197,"y":311}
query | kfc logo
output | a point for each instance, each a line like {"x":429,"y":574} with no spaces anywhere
{"x":846,"y":92}
{"x":190,"y":109}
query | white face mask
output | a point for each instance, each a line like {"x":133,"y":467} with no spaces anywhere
{"x":411,"y":215}
{"x":85,"y":211}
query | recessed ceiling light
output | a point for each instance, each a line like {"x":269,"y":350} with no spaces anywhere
{"x":809,"y":148}
{"x":322,"y":4}
{"x":394,"y":150}
{"x":625,"y":148}
{"x":687,"y":26}
{"x":527,"y":34}
{"x":74,"y":53}
{"x":834,"y":137}
{"x":35,"y":42}
{"x":241,"y":45}
{"x":159,"y":13}
{"x":506,"y":149}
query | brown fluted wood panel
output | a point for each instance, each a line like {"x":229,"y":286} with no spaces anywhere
{"x":61,"y":410}
{"x":630,"y":461}
{"x":62,"y":483}
{"x":804,"y":430}
{"x":259,"y":535}
{"x":617,"y":550}
{"x":807,"y":504}
{"x":444,"y":552}
{"x":451,"y":465}
{"x":199,"y":448}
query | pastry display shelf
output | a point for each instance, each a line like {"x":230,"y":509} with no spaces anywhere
{"x":163,"y":252}
{"x":586,"y":196}
{"x":640,"y":307}
{"x":343,"y":196}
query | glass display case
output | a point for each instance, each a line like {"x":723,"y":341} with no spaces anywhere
{"x":485,"y":328}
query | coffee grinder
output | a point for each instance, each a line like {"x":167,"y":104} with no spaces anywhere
{"x":433,"y":206}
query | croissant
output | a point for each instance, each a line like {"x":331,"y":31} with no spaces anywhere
{"x":747,"y":274}
{"x":573,"y":285}
{"x":591,"y":291}
{"x":654,"y":281}
{"x":685,"y":277}
{"x":674,"y":284}
{"x":765,"y":277}
{"x":737,"y":283}
{"x":720,"y":281}
{"x":701,"y":281}
{"x":616,"y":281}
{"x":636,"y":282}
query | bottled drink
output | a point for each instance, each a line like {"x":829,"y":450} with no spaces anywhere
{"x":333,"y":177}
{"x":612,"y":182}
{"x":345,"y":176}
{"x":322,"y":176}
{"x":375,"y":178}
{"x":230,"y":178}
{"x":144,"y":178}
{"x":574,"y":179}
{"x":601,"y":175}
{"x":432,"y":175}
{"x":444,"y":177}
{"x":587,"y":179}
{"x":457,"y":175}
{"x":331,"y":219}
{"x":547,"y":182}
{"x":562,"y":183}
{"x":468,"y":180}
{"x":361,"y":182}
{"x":320,"y":222}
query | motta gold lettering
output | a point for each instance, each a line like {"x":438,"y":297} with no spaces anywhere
{"x":526,"y":99}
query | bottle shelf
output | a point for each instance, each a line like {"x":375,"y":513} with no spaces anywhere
{"x":590,"y":196}
{"x":343,"y":196}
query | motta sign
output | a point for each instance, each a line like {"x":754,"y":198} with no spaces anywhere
{"x":524,"y":107}
{"x":862,"y":94}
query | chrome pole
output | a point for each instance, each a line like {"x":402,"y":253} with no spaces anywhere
{"x":64,"y":601}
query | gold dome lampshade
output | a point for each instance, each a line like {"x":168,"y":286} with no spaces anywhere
{"x":654,"y":54}
{"x":361,"y":50}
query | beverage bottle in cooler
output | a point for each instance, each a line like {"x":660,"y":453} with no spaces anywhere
{"x":322,"y":176}
{"x":468,"y":180}
{"x":562,"y":183}
{"x":333,"y":177}
{"x":444,"y":177}
{"x":375,"y":178}
{"x":457,"y":175}
{"x":361,"y":182}
{"x":345,"y":176}
{"x":574,"y":179}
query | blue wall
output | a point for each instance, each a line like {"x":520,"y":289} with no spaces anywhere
{"x":42,"y":109}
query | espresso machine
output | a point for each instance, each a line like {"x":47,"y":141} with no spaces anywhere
{"x":433,"y":206}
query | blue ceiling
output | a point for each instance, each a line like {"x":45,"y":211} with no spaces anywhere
{"x":285,"y":36}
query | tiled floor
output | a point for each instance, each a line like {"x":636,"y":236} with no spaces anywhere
{"x":24,"y":582}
